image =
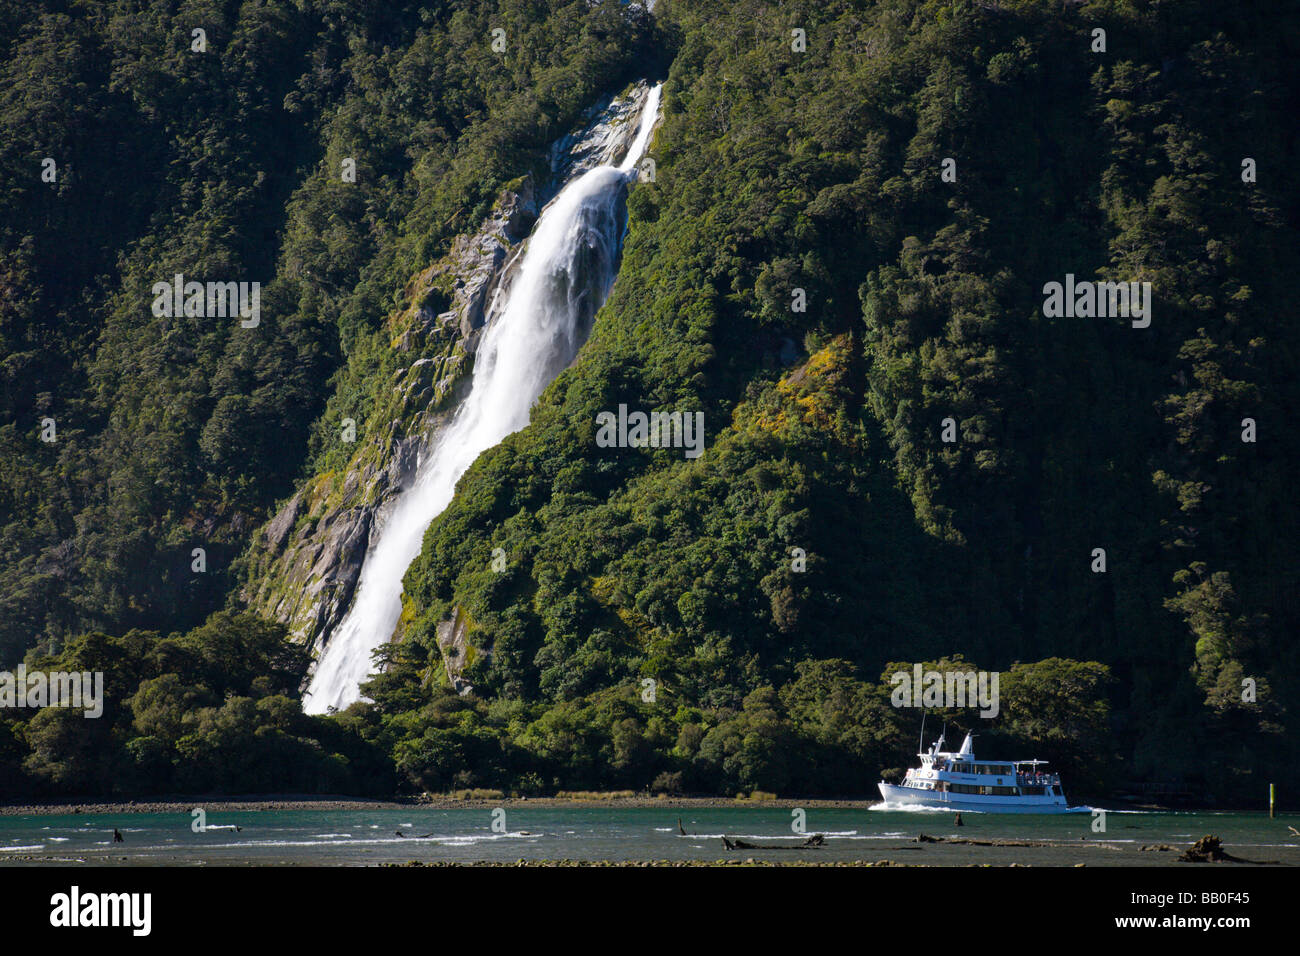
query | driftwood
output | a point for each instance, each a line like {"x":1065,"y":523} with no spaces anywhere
{"x":925,"y":838}
{"x":1209,"y":849}
{"x":812,"y":843}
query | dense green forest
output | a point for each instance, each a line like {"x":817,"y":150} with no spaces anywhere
{"x":806,"y":269}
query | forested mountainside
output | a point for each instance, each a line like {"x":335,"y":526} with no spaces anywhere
{"x":840,"y":261}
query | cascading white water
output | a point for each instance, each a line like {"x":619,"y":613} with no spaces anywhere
{"x":565,"y":275}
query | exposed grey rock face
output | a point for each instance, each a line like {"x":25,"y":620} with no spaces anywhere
{"x":451,"y":636}
{"x":338,"y":550}
{"x":277,"y":532}
{"x":307,"y":561}
{"x":608,"y":130}
{"x":475,"y":262}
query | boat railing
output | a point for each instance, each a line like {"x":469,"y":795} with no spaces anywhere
{"x":1038,"y":779}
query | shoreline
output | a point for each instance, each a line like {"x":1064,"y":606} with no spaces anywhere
{"x":228,"y":803}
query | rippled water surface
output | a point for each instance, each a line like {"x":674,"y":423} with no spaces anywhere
{"x":367,"y":837}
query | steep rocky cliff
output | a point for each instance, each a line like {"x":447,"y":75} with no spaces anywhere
{"x":305,"y":563}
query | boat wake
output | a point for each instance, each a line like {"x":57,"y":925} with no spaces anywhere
{"x":915,"y":808}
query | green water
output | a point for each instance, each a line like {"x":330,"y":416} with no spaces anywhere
{"x":367,"y":837}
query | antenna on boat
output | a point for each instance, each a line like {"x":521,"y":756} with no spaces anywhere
{"x":920,"y":747}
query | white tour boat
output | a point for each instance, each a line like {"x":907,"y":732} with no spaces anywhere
{"x":959,"y":781}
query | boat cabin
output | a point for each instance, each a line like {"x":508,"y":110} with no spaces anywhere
{"x":961,"y":772}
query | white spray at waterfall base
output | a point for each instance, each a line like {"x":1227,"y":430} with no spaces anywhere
{"x":565,"y":275}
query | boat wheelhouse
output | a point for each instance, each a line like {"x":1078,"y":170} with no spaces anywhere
{"x":961,"y":781}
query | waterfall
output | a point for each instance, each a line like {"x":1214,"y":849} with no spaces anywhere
{"x":565,"y":275}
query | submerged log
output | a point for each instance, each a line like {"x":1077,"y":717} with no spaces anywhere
{"x":812,"y":843}
{"x":924,"y":838}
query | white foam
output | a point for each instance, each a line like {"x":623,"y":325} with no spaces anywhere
{"x":566,"y":273}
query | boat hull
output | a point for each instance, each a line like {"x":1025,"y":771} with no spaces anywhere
{"x":912,"y":797}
